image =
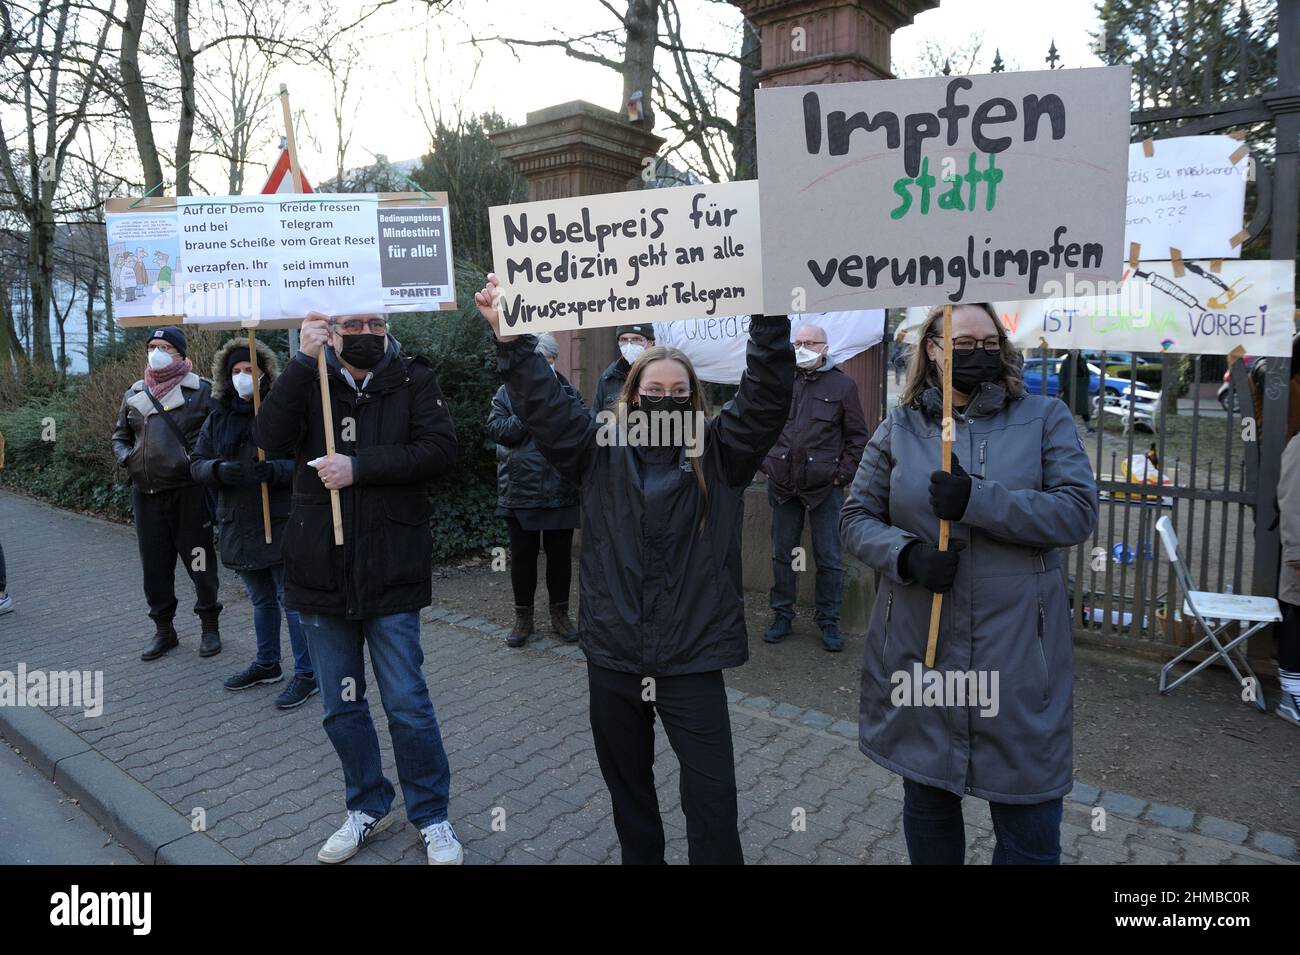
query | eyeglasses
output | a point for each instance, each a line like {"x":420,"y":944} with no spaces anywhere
{"x":683,"y":392}
{"x":355,"y":326}
{"x":970,"y":344}
{"x":807,"y":344}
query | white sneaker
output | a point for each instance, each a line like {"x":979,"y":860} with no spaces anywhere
{"x":441,"y":844}
{"x":6,"y":603}
{"x":1289,"y":708}
{"x":353,"y":834}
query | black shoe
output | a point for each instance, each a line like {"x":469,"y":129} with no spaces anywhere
{"x":561,"y":625}
{"x":256,"y":674}
{"x":165,"y":639}
{"x":779,"y":630}
{"x":298,"y":692}
{"x":523,"y":628}
{"x":832,"y":641}
{"x":210,"y":643}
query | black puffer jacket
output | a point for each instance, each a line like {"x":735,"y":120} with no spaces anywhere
{"x":400,"y":435}
{"x":659,"y":594}
{"x":239,"y":507}
{"x":610,"y":385}
{"x":525,"y":479}
{"x":154,"y":457}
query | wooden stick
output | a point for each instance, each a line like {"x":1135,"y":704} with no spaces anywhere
{"x":261,"y":455}
{"x":322,"y":369}
{"x":945,"y":462}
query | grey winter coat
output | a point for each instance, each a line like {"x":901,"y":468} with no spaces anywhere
{"x":1032,"y":492}
{"x":1288,"y":505}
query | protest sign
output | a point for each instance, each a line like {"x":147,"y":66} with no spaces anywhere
{"x":716,"y":346}
{"x":1247,"y":302}
{"x":270,"y":259}
{"x":1189,"y":194}
{"x":964,"y":188}
{"x":653,"y":255}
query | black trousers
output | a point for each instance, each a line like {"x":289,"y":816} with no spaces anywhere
{"x":524,"y":548}
{"x":168,"y":525}
{"x":1288,"y":637}
{"x":693,"y":708}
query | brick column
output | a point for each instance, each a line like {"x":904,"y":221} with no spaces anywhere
{"x":579,"y":149}
{"x":804,"y":42}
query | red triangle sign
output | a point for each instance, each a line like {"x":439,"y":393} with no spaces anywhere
{"x":281,"y":179}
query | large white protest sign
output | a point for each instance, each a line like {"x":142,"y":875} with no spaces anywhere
{"x":964,"y":188}
{"x":1248,"y":303}
{"x":269,"y":259}
{"x":716,"y":346}
{"x":648,"y":256}
{"x":1189,"y":195}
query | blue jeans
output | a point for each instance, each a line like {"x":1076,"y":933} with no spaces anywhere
{"x":787,"y":529}
{"x":266,"y":592}
{"x":936,"y":833}
{"x":396,"y":657}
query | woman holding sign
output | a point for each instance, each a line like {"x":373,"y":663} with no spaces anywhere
{"x":993,"y":719}
{"x":661,"y":611}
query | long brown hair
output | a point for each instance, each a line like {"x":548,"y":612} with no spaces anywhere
{"x":922,"y":373}
{"x":632,"y":389}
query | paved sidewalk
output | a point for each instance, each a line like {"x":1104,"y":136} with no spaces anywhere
{"x":525,"y":784}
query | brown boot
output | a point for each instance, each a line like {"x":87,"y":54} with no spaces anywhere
{"x":561,"y":625}
{"x":523,"y":628}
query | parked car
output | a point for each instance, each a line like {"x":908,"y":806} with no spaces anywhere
{"x":1110,"y":395}
{"x":1226,"y":387}
{"x":1124,"y":358}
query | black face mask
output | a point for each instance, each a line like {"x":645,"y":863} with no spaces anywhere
{"x":970,"y":369}
{"x":664,"y":402}
{"x":364,"y":350}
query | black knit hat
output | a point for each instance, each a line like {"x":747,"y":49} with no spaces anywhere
{"x":172,"y":336}
{"x":647,"y":331}
{"x":235,"y":356}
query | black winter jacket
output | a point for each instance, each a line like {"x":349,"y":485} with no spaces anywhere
{"x":610,"y":385}
{"x":525,"y":479}
{"x":659,"y":594}
{"x":400,"y":435}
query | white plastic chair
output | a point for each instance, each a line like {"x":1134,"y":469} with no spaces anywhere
{"x":1225,"y":610}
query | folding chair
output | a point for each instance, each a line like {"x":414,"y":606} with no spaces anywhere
{"x":1225,"y":610}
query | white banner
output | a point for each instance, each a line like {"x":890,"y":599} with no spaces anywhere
{"x":653,"y":255}
{"x":1189,"y":194}
{"x":271,"y":258}
{"x":1248,"y":303}
{"x":716,"y":346}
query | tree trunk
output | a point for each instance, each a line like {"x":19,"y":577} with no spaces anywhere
{"x":185,"y":127}
{"x":41,"y":279}
{"x":92,"y":289}
{"x":642,"y":22}
{"x":746,"y":142}
{"x":137,"y":100}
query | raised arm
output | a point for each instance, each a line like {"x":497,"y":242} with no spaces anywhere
{"x":1063,"y":513}
{"x":750,"y":423}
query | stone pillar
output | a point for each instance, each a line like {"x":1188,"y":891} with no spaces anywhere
{"x":579,"y":149}
{"x":804,"y":42}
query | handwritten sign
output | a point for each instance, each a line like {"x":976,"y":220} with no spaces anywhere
{"x":964,"y":188}
{"x":716,"y":346}
{"x":649,"y":256}
{"x":1189,"y":194}
{"x":247,"y":260}
{"x":1248,"y":302}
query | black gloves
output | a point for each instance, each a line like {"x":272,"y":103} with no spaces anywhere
{"x":230,"y":472}
{"x":264,"y":472}
{"x":949,"y":493}
{"x":932,"y":568}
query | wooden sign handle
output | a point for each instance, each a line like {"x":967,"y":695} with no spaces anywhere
{"x":261,"y":455}
{"x":322,"y":369}
{"x":945,"y":462}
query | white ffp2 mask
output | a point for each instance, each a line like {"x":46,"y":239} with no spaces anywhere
{"x":159,"y":359}
{"x":243,"y":384}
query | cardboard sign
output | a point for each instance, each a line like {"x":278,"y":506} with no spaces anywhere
{"x":716,"y":346}
{"x":244,"y":261}
{"x":945,"y":189}
{"x":654,"y":255}
{"x":1247,"y":302}
{"x":1189,"y":194}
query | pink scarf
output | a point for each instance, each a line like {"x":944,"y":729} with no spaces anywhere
{"x":162,"y":382}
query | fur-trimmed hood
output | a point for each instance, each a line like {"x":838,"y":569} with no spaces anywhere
{"x":267,"y":364}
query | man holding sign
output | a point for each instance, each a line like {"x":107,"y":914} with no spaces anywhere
{"x":393,"y":433}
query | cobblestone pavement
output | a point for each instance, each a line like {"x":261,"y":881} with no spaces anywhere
{"x":525,"y":784}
